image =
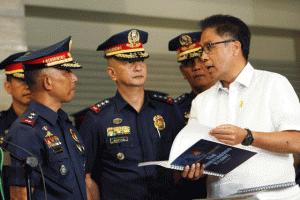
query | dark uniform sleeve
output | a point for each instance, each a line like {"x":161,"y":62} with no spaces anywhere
{"x":177,"y":120}
{"x":89,"y":129}
{"x":25,"y":137}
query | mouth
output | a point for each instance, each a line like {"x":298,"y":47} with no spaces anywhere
{"x":197,"y":76}
{"x":25,"y":95}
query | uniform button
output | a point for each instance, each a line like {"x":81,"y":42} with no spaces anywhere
{"x":120,"y":156}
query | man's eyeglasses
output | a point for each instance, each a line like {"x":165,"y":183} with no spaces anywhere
{"x":207,"y":47}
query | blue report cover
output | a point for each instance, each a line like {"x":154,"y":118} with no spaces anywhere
{"x":218,"y":158}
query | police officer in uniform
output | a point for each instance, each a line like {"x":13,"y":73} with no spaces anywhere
{"x":15,"y":86}
{"x":44,"y":129}
{"x":132,"y":127}
{"x":187,"y":47}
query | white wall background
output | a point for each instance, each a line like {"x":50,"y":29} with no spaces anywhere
{"x":274,"y":24}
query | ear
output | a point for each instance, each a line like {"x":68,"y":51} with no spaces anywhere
{"x":112,"y":73}
{"x":237,"y":48}
{"x":7,"y":87}
{"x":182,"y":71}
{"x":47,"y":83}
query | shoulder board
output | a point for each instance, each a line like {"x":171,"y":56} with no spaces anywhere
{"x":181,"y":98}
{"x":162,"y":98}
{"x":101,"y":105}
{"x":30,"y":118}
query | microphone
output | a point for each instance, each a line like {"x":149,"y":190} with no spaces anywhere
{"x":32,"y":162}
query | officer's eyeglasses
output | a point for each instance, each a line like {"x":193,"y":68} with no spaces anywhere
{"x":207,"y":48}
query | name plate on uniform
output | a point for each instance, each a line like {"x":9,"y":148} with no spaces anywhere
{"x":118,"y":140}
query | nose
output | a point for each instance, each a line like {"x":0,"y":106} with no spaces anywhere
{"x":198,"y":64}
{"x":204,"y":57}
{"x":74,"y":77}
{"x":138,"y":66}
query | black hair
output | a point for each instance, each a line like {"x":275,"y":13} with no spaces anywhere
{"x":232,"y":26}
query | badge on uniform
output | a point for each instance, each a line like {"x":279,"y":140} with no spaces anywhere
{"x":74,"y":136}
{"x":120,"y":156}
{"x":159,"y":123}
{"x":48,"y":133}
{"x":117,"y":121}
{"x":63,"y":170}
{"x":118,"y":130}
{"x":52,"y":141}
{"x":6,"y":131}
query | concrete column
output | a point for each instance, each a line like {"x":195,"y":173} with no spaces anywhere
{"x":12,"y":39}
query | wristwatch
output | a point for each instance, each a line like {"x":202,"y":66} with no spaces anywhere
{"x":248,"y":139}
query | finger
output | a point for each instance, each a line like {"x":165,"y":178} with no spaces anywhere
{"x":197,"y":172}
{"x":185,"y":172}
{"x":191,"y":172}
{"x":202,"y":170}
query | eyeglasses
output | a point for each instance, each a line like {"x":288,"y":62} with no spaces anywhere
{"x":207,"y":47}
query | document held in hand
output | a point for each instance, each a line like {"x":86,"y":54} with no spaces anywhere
{"x":193,"y":144}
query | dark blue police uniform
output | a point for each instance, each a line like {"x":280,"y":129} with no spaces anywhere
{"x":7,"y":117}
{"x":187,"y":46}
{"x":184,"y":104}
{"x":119,"y":139}
{"x":52,"y":139}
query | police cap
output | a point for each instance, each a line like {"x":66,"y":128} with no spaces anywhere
{"x":57,"y":56}
{"x":127,"y":45}
{"x":186,"y":45}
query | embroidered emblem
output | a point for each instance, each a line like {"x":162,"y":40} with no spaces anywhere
{"x":133,"y":39}
{"x":6,"y":131}
{"x":185,"y":40}
{"x":117,"y":121}
{"x":118,"y":130}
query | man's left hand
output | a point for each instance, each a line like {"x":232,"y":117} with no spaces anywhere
{"x":229,"y":134}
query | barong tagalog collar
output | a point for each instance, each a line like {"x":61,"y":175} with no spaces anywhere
{"x":187,"y":45}
{"x":57,"y":56}
{"x":126,"y":45}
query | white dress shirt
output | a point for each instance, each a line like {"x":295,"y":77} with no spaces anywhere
{"x":261,"y":101}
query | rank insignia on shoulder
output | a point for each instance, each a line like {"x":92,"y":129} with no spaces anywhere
{"x":163,"y":98}
{"x":102,"y":104}
{"x":30,"y":119}
{"x":181,"y":98}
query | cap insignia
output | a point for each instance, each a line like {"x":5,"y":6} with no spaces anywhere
{"x":185,"y":40}
{"x":133,"y":39}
